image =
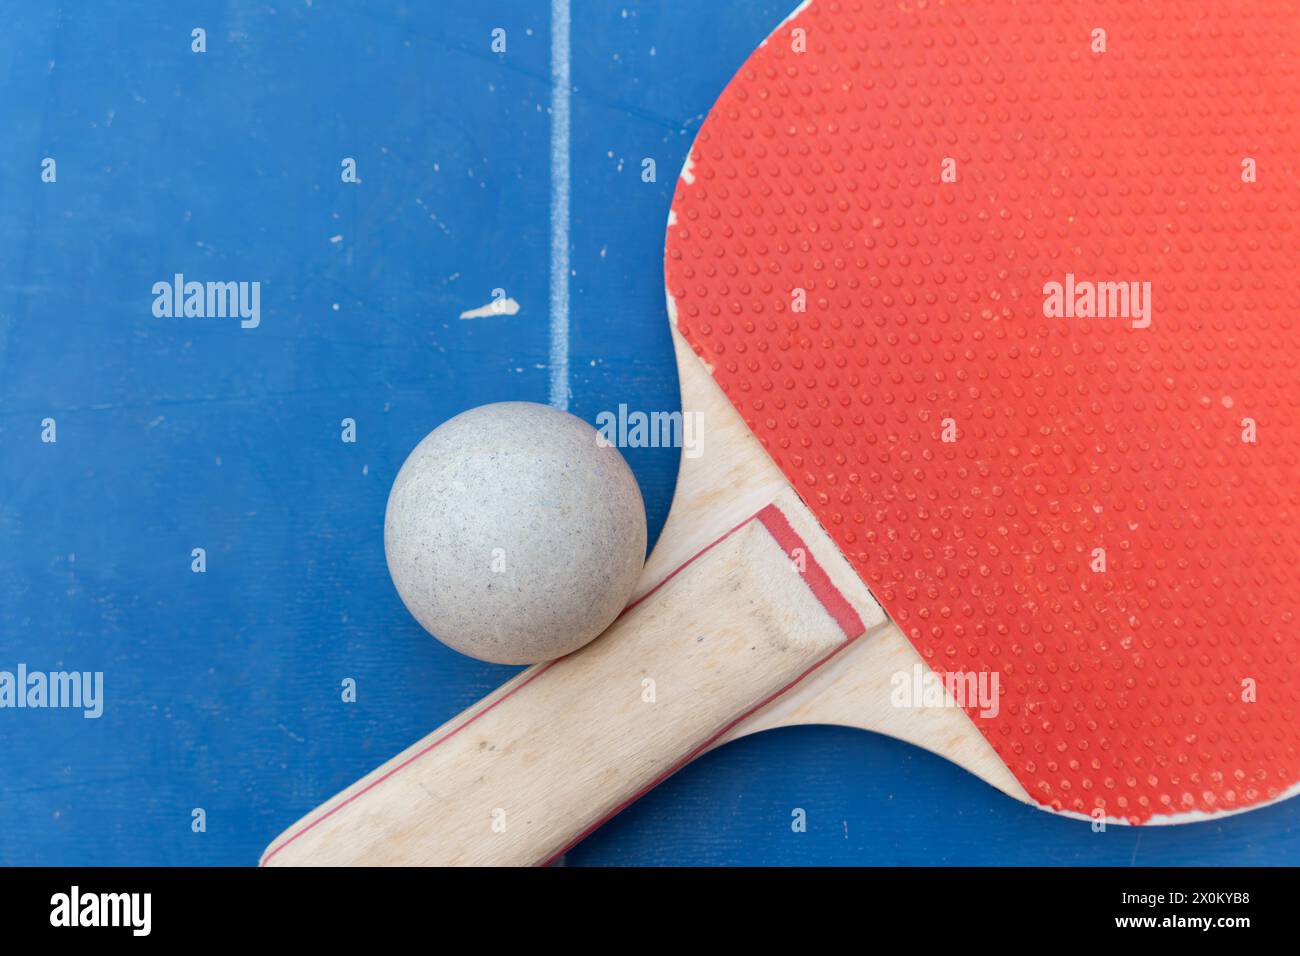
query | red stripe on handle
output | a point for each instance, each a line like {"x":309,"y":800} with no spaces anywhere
{"x":814,"y":576}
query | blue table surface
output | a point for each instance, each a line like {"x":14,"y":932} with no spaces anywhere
{"x":222,"y":689}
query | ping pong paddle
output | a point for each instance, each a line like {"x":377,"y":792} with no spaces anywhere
{"x":915,"y":463}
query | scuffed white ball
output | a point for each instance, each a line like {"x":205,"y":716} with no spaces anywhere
{"x":513,"y":535}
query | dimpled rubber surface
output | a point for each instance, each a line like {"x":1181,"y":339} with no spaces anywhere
{"x":1121,"y":689}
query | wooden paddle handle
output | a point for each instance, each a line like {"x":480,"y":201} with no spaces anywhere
{"x":530,"y":770}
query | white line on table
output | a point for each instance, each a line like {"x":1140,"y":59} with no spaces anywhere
{"x":560,"y":204}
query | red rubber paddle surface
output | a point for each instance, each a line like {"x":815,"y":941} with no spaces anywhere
{"x":1169,"y":682}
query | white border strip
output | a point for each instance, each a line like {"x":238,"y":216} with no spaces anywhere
{"x":560,"y":87}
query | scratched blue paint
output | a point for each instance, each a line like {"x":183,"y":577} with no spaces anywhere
{"x":223,"y":689}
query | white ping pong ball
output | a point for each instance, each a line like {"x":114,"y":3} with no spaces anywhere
{"x":513,"y":534}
